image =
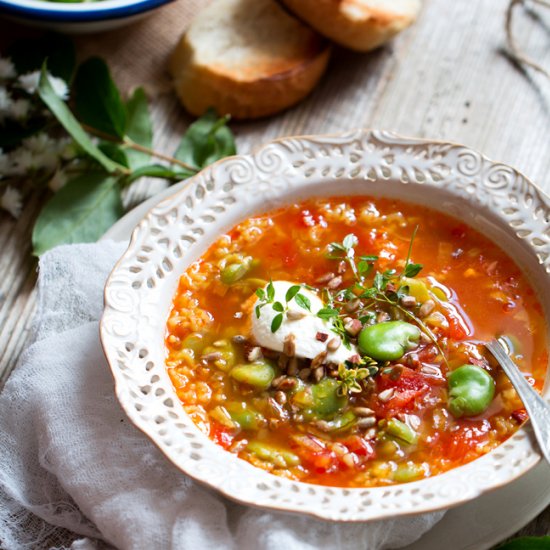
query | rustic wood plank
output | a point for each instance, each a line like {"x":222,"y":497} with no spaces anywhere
{"x":446,"y":77}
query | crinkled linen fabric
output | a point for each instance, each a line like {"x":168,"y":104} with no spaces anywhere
{"x":76,"y":474}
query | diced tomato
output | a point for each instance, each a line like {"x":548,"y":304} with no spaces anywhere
{"x":456,"y":445}
{"x":408,"y":388}
{"x":520,"y":415}
{"x":359,"y":446}
{"x":221,"y":435}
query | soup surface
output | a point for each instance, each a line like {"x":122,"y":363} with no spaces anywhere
{"x":339,"y":342}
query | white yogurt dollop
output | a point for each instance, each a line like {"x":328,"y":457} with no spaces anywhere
{"x":305,"y":329}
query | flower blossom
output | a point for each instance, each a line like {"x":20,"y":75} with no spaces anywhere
{"x":7,"y":70}
{"x":29,"y":82}
{"x":11,"y":201}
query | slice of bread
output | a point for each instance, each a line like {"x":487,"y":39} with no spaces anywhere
{"x":247,"y":58}
{"x":357,"y":24}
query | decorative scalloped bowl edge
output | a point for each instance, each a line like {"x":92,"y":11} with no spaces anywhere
{"x":490,"y":196}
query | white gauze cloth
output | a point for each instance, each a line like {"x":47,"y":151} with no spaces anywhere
{"x":75,"y":473}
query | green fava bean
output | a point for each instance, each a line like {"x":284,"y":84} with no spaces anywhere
{"x":388,"y":341}
{"x":259,"y":374}
{"x":471,"y":390}
{"x":326,"y":400}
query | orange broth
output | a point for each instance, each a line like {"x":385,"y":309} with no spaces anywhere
{"x":477,"y":289}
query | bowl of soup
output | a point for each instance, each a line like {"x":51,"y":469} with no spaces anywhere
{"x":303,"y":328}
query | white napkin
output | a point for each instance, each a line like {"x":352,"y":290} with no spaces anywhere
{"x":73,"y":467}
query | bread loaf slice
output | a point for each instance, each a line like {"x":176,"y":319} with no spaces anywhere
{"x":246,"y":58}
{"x":357,"y":24}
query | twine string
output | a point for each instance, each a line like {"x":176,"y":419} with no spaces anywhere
{"x":515,"y":51}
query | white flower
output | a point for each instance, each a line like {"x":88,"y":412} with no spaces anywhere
{"x":11,"y":201}
{"x":7,"y":70}
{"x":21,"y":162}
{"x":20,"y":109}
{"x":58,"y":181}
{"x":5,"y":103}
{"x":29,"y":83}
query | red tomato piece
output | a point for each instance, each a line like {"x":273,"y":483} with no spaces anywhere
{"x":221,"y":435}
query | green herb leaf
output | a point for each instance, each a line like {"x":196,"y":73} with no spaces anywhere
{"x":327,"y":313}
{"x":276,"y":323}
{"x":260,"y":292}
{"x":207,"y":140}
{"x":258,"y":310}
{"x":80,"y":212}
{"x":368,"y":258}
{"x":411,"y":270}
{"x":277,"y":306}
{"x":28,"y":55}
{"x":350,"y":241}
{"x":291,"y":292}
{"x":114,"y":152}
{"x":153,"y":171}
{"x":97,"y":99}
{"x":270,"y":291}
{"x":303,"y":301}
{"x":526,"y":543}
{"x":139,"y":128}
{"x":363,"y":267}
{"x":69,"y":122}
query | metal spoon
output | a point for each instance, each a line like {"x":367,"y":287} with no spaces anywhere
{"x":536,"y":406}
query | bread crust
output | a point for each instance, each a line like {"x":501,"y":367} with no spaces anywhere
{"x":261,"y":86}
{"x":353,"y":23}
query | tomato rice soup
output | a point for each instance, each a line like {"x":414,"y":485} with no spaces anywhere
{"x":340,"y":342}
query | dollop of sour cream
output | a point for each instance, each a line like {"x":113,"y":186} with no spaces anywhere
{"x":297,"y":321}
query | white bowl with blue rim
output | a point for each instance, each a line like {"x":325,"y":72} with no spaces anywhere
{"x":78,"y":17}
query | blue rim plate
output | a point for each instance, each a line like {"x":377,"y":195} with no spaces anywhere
{"x":42,"y":10}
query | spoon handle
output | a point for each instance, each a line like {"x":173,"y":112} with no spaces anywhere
{"x":536,"y":406}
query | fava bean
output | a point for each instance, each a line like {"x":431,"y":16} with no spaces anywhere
{"x":326,"y":400}
{"x":471,"y":391}
{"x":258,"y":374}
{"x":417,"y":288}
{"x":401,"y":431}
{"x":388,"y":341}
{"x":235,"y":271}
{"x":277,"y":456}
{"x":244,"y":416}
{"x":409,"y":471}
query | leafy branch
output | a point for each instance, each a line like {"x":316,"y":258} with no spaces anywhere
{"x":89,"y":144}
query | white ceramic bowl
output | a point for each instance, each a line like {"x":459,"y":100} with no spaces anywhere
{"x":78,"y":17}
{"x":491,"y":197}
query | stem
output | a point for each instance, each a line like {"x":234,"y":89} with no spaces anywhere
{"x":137,"y":147}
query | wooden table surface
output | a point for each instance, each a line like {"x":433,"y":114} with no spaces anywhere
{"x":447,"y":77}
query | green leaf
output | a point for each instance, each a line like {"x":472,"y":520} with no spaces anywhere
{"x":277,"y":306}
{"x":527,"y":543}
{"x":270,"y":291}
{"x":260,"y":292}
{"x":303,"y":301}
{"x":276,"y":323}
{"x":114,"y":152}
{"x":291,"y":292}
{"x":97,"y":99}
{"x":327,"y":313}
{"x":29,"y":55}
{"x":155,"y":171}
{"x":207,"y":140}
{"x":368,"y":258}
{"x":411,"y":270}
{"x":258,"y":310}
{"x":139,"y":128}
{"x":350,"y":241}
{"x":363,"y":267}
{"x":80,"y":212}
{"x":69,"y":122}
